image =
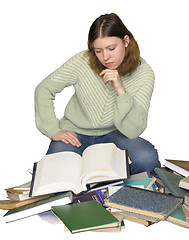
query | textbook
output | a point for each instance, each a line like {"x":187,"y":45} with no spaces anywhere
{"x":179,"y":166}
{"x":10,"y":204}
{"x":85,"y":216}
{"x":141,"y":175}
{"x":177,"y":217}
{"x":145,"y":182}
{"x":68,"y":171}
{"x":119,"y":217}
{"x":38,"y":207}
{"x":89,"y":196}
{"x":19,"y":193}
{"x":141,"y":219}
{"x":184,"y":183}
{"x":172,"y":181}
{"x":185,"y":210}
{"x":145,"y":202}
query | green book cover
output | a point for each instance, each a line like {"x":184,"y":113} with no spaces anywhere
{"x":178,"y":214}
{"x":177,"y":217}
{"x":146,"y":182}
{"x":85,"y":216}
{"x":171,"y":180}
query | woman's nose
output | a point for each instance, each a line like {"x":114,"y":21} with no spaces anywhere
{"x":106,"y":55}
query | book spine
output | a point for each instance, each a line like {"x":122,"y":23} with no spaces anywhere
{"x":100,"y":196}
{"x":166,"y":182}
{"x":33,"y":178}
{"x":127,"y":163}
{"x":154,"y":186}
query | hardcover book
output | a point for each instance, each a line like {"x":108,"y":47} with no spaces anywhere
{"x":89,"y":196}
{"x":177,"y":217}
{"x":19,"y":192}
{"x":85,"y":216}
{"x":145,"y":202}
{"x":172,"y":181}
{"x":145,"y":182}
{"x":68,"y":171}
{"x":184,"y":183}
{"x":179,"y":166}
{"x":185,"y":210}
{"x":38,"y":207}
{"x":10,"y":204}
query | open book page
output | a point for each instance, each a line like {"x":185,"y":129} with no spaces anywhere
{"x":103,"y":162}
{"x":119,"y":162}
{"x":55,"y":173}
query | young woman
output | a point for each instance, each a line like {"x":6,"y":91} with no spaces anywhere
{"x":113,"y":87}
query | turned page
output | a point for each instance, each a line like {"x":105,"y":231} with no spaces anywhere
{"x":103,"y":162}
{"x":58,"y":172}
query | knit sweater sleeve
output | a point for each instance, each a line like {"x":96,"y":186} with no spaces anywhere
{"x":131,"y":110}
{"x":45,"y":117}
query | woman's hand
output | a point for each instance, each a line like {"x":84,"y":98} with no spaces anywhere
{"x":67,"y":137}
{"x":113,"y":76}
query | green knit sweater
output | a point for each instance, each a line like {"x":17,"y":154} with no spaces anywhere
{"x":95,"y":108}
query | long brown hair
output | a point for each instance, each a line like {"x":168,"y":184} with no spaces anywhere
{"x":110,"y":25}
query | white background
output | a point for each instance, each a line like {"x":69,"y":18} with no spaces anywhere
{"x":36,"y":38}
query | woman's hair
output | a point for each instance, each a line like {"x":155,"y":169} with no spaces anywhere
{"x":110,"y":25}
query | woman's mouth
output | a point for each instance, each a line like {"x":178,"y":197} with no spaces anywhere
{"x":109,"y":63}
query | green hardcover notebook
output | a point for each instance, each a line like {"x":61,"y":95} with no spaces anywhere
{"x":85,"y":216}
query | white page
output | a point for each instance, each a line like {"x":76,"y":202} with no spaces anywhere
{"x":94,"y":158}
{"x":120,"y":162}
{"x":99,"y":161}
{"x":55,"y":172}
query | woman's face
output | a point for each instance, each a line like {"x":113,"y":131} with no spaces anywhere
{"x":110,"y":51}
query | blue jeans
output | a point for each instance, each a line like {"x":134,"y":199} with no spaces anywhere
{"x":142,"y":153}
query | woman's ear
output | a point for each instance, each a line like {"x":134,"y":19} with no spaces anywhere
{"x":126,"y":40}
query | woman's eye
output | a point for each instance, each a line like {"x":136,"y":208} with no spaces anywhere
{"x":111,"y":49}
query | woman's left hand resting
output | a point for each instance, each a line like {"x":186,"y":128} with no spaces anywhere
{"x":114,"y":78}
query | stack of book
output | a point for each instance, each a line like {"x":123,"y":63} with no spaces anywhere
{"x":95,"y":192}
{"x":175,"y":177}
{"x":65,"y":179}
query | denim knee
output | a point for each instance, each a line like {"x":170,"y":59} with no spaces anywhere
{"x":59,"y":146}
{"x":145,"y":161}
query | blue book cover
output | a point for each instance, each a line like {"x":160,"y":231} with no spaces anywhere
{"x":144,"y":202}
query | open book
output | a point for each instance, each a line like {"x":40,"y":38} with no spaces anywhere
{"x":68,"y":171}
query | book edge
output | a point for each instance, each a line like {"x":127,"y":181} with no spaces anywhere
{"x":127,"y":163}
{"x":33,"y":179}
{"x":166,"y":181}
{"x":135,"y":210}
{"x":173,"y":166}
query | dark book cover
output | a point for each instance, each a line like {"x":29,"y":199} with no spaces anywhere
{"x":89,"y":196}
{"x":33,"y":178}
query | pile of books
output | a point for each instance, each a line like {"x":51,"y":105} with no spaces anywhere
{"x":90,"y":194}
